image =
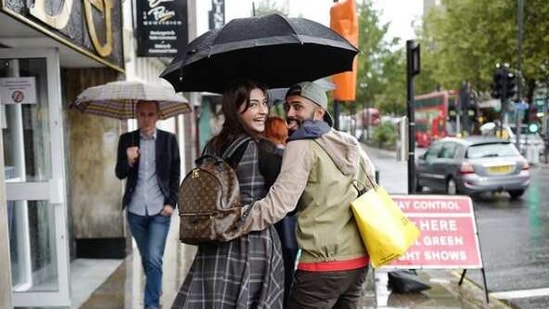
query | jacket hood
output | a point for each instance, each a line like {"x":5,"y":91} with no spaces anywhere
{"x":343,"y":149}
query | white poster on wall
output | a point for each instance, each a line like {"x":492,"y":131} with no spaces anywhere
{"x":18,"y":90}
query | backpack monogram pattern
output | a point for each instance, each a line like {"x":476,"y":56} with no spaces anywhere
{"x":209,"y":199}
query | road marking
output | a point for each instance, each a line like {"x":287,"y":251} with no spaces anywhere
{"x":521,"y":293}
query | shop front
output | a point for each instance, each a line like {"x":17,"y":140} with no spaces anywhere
{"x":49,"y":51}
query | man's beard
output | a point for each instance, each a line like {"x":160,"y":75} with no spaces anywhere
{"x":293,"y":124}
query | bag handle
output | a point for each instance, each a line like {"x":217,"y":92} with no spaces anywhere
{"x":361,"y":190}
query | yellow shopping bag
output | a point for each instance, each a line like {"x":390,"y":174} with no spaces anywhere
{"x":385,"y":230}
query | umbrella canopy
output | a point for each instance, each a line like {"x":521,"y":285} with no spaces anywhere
{"x":271,"y":49}
{"x":118,"y":99}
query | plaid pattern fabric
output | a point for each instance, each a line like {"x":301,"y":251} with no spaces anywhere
{"x":245,"y":273}
{"x":118,"y":99}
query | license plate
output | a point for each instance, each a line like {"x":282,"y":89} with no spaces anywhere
{"x":502,"y":169}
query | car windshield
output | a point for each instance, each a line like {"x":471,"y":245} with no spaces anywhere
{"x":491,"y":150}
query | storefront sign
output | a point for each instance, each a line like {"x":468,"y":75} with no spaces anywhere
{"x":217,"y":14}
{"x":449,"y":236}
{"x":92,"y":27}
{"x":18,"y":90}
{"x":161,"y":27}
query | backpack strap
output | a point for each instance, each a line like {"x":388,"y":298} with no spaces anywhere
{"x":235,"y":146}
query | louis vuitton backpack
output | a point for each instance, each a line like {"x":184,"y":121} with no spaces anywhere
{"x":209,"y":197}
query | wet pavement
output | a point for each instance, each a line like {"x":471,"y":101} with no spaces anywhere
{"x":123,"y":288}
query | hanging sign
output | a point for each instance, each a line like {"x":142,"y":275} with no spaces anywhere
{"x":161,"y":27}
{"x":18,"y":90}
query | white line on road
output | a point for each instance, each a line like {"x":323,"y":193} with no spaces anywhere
{"x":521,"y":293}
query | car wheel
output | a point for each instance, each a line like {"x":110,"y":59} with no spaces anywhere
{"x":515,"y":194}
{"x":451,"y":187}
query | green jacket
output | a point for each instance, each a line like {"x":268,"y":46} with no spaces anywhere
{"x":316,"y":176}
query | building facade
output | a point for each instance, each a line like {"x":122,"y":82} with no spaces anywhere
{"x":61,"y":200}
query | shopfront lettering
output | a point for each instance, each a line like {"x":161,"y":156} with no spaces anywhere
{"x":160,"y":13}
{"x":60,"y":20}
{"x":218,"y":13}
{"x":57,"y":21}
{"x":105,"y":8}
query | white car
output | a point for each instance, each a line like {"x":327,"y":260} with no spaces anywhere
{"x":526,"y":139}
{"x":509,"y":132}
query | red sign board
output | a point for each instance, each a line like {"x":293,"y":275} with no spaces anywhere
{"x":449,"y":237}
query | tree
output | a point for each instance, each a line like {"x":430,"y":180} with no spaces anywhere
{"x":468,"y":37}
{"x":265,"y":7}
{"x":379,"y":72}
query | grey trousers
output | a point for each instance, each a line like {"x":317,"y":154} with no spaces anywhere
{"x":327,"y":290}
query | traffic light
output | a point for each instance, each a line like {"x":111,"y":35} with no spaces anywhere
{"x":504,"y":85}
{"x":498,"y":80}
{"x":533,"y":127}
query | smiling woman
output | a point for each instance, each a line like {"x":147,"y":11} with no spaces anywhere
{"x":256,"y":273}
{"x":253,"y":113}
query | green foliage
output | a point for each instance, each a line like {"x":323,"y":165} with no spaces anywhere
{"x":265,"y":7}
{"x":381,"y":78}
{"x":385,"y":134}
{"x":464,"y":39}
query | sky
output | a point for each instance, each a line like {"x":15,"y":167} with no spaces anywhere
{"x":400,"y":13}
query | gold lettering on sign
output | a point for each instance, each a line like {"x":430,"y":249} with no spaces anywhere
{"x":104,"y":7}
{"x":58,"y":21}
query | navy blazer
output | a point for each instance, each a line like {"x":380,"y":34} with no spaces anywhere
{"x":168,"y":165}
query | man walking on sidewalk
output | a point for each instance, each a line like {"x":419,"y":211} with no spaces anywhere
{"x":149,"y":159}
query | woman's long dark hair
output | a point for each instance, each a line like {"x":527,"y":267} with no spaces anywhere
{"x":235,"y":93}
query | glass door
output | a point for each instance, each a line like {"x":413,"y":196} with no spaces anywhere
{"x":32,"y":132}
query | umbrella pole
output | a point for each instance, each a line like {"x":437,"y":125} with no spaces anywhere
{"x":336,"y":114}
{"x":133,"y":107}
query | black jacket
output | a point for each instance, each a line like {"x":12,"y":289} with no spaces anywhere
{"x":168,"y":165}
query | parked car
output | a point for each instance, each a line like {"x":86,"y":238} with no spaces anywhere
{"x":473,"y":165}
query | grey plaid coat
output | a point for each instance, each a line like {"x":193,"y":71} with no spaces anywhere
{"x":244,"y":273}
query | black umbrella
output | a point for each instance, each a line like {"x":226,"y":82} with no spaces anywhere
{"x":270,"y":49}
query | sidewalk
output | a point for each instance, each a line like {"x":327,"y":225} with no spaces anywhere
{"x":124,"y":287}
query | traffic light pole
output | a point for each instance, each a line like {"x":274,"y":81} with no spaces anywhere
{"x":412,"y":69}
{"x":518,"y":121}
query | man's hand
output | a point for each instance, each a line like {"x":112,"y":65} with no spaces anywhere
{"x":132,"y":153}
{"x":167,"y":211}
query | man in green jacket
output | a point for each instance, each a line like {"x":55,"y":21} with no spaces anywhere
{"x":318,"y":169}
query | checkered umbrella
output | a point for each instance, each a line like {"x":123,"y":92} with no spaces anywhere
{"x":118,"y":99}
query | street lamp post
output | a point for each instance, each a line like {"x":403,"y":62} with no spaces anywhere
{"x":519,"y":71}
{"x":412,"y":69}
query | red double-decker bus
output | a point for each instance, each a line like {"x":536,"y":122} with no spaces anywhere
{"x":435,"y":116}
